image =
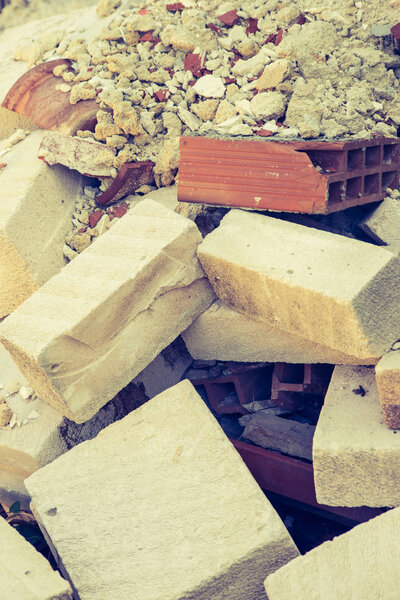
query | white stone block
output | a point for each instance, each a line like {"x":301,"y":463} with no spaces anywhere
{"x":24,"y":573}
{"x":221,"y":333}
{"x":362,"y":564}
{"x":356,"y":457}
{"x":36,"y":206}
{"x":330,"y":289}
{"x":91,"y":329}
{"x":181,"y":514}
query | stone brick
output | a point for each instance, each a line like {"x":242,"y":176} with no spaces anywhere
{"x":91,"y":329}
{"x":330,"y":289}
{"x":356,"y":457}
{"x":361,"y":564}
{"x":34,"y":442}
{"x":24,"y":573}
{"x":197,"y":526}
{"x":388,"y":382}
{"x":36,"y":205}
{"x":221,"y":333}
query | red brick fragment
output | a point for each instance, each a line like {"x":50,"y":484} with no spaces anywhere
{"x":193,"y":64}
{"x":146,"y":37}
{"x":279,"y":37}
{"x":301,"y":20}
{"x":162,"y":95}
{"x":170,"y":71}
{"x":143,"y":11}
{"x":82,"y":229}
{"x":2,"y":165}
{"x":270,"y":38}
{"x":95,"y":217}
{"x":252,"y":26}
{"x":229,"y":80}
{"x":264,"y":132}
{"x":229,"y":18}
{"x":156,"y":41}
{"x":176,"y":6}
{"x":215,"y":28}
{"x":118,"y":211}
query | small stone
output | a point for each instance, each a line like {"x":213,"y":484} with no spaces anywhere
{"x":248,"y":48}
{"x":63,"y":87}
{"x":268,"y":105}
{"x":125,"y":116}
{"x":189,"y":119}
{"x":210,"y":86}
{"x":25,"y":392}
{"x":68,"y":252}
{"x":82,"y":241}
{"x":225,"y":111}
{"x":102,"y":225}
{"x":273,"y":75}
{"x":13,"y":387}
{"x":206,"y":110}
{"x":5,"y":414}
{"x":106,"y":7}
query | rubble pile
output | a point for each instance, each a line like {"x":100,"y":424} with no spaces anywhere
{"x":139,"y":330}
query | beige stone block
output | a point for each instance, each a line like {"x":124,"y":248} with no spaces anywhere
{"x":383,"y":224}
{"x":362,"y":564}
{"x":221,"y":333}
{"x":91,"y":329}
{"x":356,"y":457}
{"x":11,"y":121}
{"x":24,"y":573}
{"x":197,"y":527}
{"x":36,"y":205}
{"x":330,"y":289}
{"x":41,"y":433}
{"x":387,"y":374}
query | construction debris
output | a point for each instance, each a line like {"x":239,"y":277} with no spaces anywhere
{"x":387,"y":373}
{"x":356,"y":457}
{"x":294,"y":286}
{"x":383,"y":224}
{"x":215,"y":490}
{"x":26,"y":574}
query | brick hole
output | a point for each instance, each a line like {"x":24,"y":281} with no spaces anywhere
{"x":372,"y":156}
{"x":389,"y":153}
{"x":354,"y":159}
{"x":335,"y":192}
{"x":371,"y":184}
{"x":330,"y":161}
{"x":354,"y":187}
{"x":290,"y":373}
{"x":389,"y":180}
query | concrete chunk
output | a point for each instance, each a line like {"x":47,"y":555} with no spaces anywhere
{"x":221,"y":333}
{"x":332,"y":290}
{"x":24,"y":573}
{"x":383,"y":224}
{"x":388,"y":381}
{"x":198,"y":526}
{"x":91,"y":329}
{"x":362,"y":564}
{"x":36,"y":205}
{"x":356,"y":457}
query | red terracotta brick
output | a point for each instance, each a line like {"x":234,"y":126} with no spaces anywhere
{"x":147,"y":37}
{"x":130,"y":177}
{"x":278,"y":37}
{"x":162,"y":95}
{"x":306,"y":177}
{"x":193,"y":64}
{"x":252,"y":26}
{"x":176,"y":6}
{"x":95,"y":217}
{"x":229,"y":18}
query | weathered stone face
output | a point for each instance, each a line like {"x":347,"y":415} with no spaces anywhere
{"x":188,"y":532}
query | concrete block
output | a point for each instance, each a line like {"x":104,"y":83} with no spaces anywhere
{"x":34,"y":442}
{"x":24,"y":573}
{"x":91,"y":329}
{"x":198,"y":527}
{"x":11,"y":121}
{"x":387,"y":374}
{"x":332,"y":290}
{"x":383,"y":224}
{"x":361,"y":564}
{"x":356,"y":457}
{"x":36,"y":205}
{"x":222,"y":333}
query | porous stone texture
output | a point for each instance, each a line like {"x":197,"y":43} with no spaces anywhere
{"x":361,"y":564}
{"x":383,"y":224}
{"x":25,"y":574}
{"x":41,"y":433}
{"x":124,"y":299}
{"x":11,"y":121}
{"x":387,"y":374}
{"x":287,"y":275}
{"x":188,"y":493}
{"x":221,"y":333}
{"x":36,"y":205}
{"x":356,"y":457}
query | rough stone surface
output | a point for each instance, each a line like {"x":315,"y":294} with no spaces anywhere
{"x":221,"y":333}
{"x":356,"y":457}
{"x":188,"y":494}
{"x":124,"y":299}
{"x":10,"y":121}
{"x":25,"y":574}
{"x":388,"y":381}
{"x":372,"y":551}
{"x":36,"y":205}
{"x":296,"y":285}
{"x":383,"y":224}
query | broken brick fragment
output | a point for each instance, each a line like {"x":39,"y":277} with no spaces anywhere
{"x":214,"y":28}
{"x":95,"y":217}
{"x":270,"y":38}
{"x":118,"y":211}
{"x":147,"y":37}
{"x":264,"y":132}
{"x":155,"y":41}
{"x":142,"y":11}
{"x":278,"y":37}
{"x":162,"y":95}
{"x":2,"y":165}
{"x":229,"y":18}
{"x":193,"y":64}
{"x":83,"y":229}
{"x":175,"y":6}
{"x":252,"y":26}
